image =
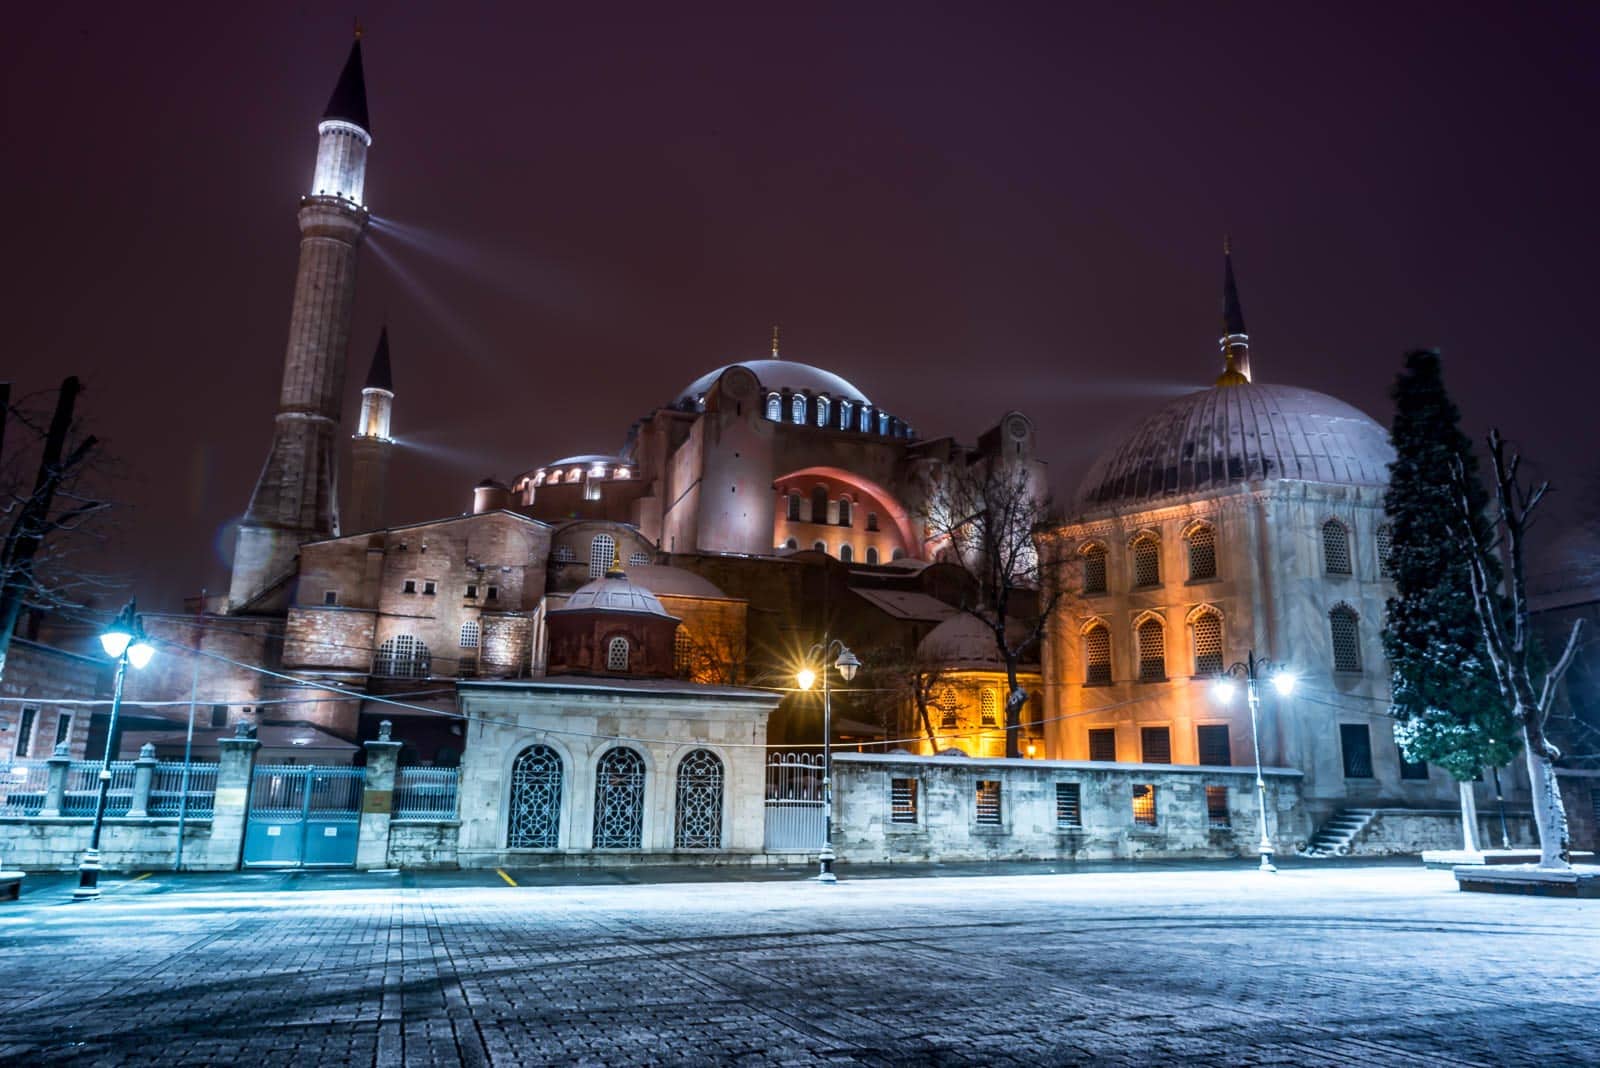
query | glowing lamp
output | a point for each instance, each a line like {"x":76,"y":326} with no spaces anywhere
{"x":139,"y":653}
{"x":1283,"y":682}
{"x":1223,"y":690}
{"x":847,"y":664}
{"x":806,"y":678}
{"x":115,"y":641}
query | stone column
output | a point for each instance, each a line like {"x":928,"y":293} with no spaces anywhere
{"x":56,"y":791}
{"x":377,"y":800}
{"x":144,"y":775}
{"x":236,"y":763}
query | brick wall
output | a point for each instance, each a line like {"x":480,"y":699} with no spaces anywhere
{"x":36,"y":674}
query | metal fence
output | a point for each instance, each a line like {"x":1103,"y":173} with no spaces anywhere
{"x":795,"y":816}
{"x":22,"y":787}
{"x":425,"y":793}
{"x":83,"y":787}
{"x":166,"y":790}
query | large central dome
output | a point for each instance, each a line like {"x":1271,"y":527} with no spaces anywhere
{"x":1236,"y":434}
{"x":781,"y":374}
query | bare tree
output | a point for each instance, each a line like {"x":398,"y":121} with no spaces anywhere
{"x":983,"y":515}
{"x":41,"y":518}
{"x":1509,"y":638}
{"x":909,"y":683}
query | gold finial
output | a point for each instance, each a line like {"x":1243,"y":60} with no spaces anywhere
{"x":616,"y":560}
{"x":360,"y":30}
{"x":1231,"y":375}
{"x":775,"y":355}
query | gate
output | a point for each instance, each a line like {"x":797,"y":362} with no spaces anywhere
{"x":303,"y":816}
{"x":795,"y":816}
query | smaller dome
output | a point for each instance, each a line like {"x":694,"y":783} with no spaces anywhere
{"x":613,"y":593}
{"x":963,"y":640}
{"x":585,"y":460}
{"x":666,"y":581}
{"x":491,"y":483}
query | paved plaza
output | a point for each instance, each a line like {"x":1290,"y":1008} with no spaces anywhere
{"x":1381,"y":964}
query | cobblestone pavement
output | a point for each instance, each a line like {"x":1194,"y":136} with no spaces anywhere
{"x":1334,"y":966}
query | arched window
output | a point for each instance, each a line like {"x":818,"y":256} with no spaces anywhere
{"x":619,"y":799}
{"x":1205,"y":635}
{"x":872,"y":554}
{"x":1202,"y":541}
{"x":555,"y":476}
{"x":1345,"y":632}
{"x":791,"y":544}
{"x":1152,"y":639}
{"x":872,"y":520}
{"x":1094,"y":568}
{"x":699,"y":824}
{"x":1385,"y":540}
{"x":794,"y":506}
{"x":883,"y":423}
{"x":819,"y":504}
{"x":866,"y":419}
{"x":402,"y":657}
{"x":534,"y":817}
{"x":563,"y":554}
{"x":602,"y":550}
{"x":469,"y":634}
{"x":847,"y":554}
{"x":844,"y":414}
{"x":822,"y":411}
{"x":844,"y":511}
{"x":617,"y":654}
{"x":1146,"y":560}
{"x":1097,"y":655}
{"x":988,"y":703}
{"x":638,"y":559}
{"x":820,"y":546}
{"x":797,"y":408}
{"x":775,"y":407}
{"x":1335,"y":548}
{"x":683,"y":652}
{"x":947,"y":708}
{"x":898,"y":554}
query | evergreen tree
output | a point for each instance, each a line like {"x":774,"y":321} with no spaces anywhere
{"x":1446,"y":697}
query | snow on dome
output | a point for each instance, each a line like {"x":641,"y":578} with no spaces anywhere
{"x":780,"y":374}
{"x":612,"y":594}
{"x":965,"y":640}
{"x":577,"y":461}
{"x":1237,"y":434}
{"x":666,"y":581}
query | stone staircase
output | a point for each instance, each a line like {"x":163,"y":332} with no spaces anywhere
{"x":1333,"y":837}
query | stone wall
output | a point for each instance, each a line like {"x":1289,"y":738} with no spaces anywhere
{"x":1409,"y":831}
{"x":423,"y":844}
{"x":1580,"y":792}
{"x":946,"y":827}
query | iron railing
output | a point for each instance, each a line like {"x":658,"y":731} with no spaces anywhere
{"x":166,"y":790}
{"x":795,"y":817}
{"x":83,"y":787}
{"x":425,"y":793}
{"x":22,"y":787}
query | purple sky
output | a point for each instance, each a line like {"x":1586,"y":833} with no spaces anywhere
{"x":962,"y":212}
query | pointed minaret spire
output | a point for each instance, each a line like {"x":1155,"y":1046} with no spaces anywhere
{"x":372,"y":445}
{"x":775,"y":355}
{"x":1235,"y":341}
{"x":379,"y":376}
{"x":349,"y":100}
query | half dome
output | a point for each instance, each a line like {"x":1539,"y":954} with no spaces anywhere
{"x":1238,"y":434}
{"x":780,"y":374}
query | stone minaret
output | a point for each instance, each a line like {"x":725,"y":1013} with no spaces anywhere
{"x":369,"y":451}
{"x":296,"y":498}
{"x":1235,"y":342}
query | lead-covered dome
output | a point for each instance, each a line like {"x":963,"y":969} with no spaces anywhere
{"x":613,"y":593}
{"x":780,"y":374}
{"x":1242,"y":433}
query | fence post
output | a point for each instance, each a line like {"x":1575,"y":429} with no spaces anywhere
{"x":55,"y":791}
{"x":377,"y":800}
{"x":144,"y":774}
{"x":236,"y":762}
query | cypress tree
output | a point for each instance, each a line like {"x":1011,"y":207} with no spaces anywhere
{"x":1444,"y":691}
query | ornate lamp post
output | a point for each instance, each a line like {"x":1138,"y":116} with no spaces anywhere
{"x":846,"y":663}
{"x":125,"y":640}
{"x":1251,"y":671}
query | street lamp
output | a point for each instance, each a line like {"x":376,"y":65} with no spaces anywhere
{"x":125,"y":641}
{"x":1251,"y":671}
{"x":846,"y":663}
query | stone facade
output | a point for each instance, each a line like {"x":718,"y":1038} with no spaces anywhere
{"x":31,"y":723}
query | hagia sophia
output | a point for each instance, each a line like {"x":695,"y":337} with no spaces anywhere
{"x":673,"y":572}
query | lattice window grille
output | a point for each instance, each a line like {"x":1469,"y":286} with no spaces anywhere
{"x":602,"y":550}
{"x":563,"y":554}
{"x":699,"y":824}
{"x":1156,"y":743}
{"x":1094,"y":569}
{"x":1215,"y":747}
{"x":988,"y":703}
{"x":822,"y":411}
{"x":1069,"y":807}
{"x":535,"y":814}
{"x":774,"y":407}
{"x":1103,"y":744}
{"x":1147,"y":562}
{"x":683,"y":651}
{"x":1385,"y":540}
{"x":1217,"y":807}
{"x":617,"y":654}
{"x":1202,"y":553}
{"x":1097,"y":656}
{"x":1152,"y":638}
{"x":1144,"y":805}
{"x":1207,"y":632}
{"x":988,"y":803}
{"x":469,"y":634}
{"x":402,"y":656}
{"x":1342,"y":627}
{"x":902,"y":800}
{"x":947,"y":709}
{"x":638,"y":558}
{"x":844,"y":414}
{"x":797,"y":409}
{"x":1335,"y":548}
{"x":619,"y":800}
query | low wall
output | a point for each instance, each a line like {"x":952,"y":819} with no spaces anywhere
{"x":946,"y":825}
{"x":1409,"y":831}
{"x":57,"y":844}
{"x":423,"y":844}
{"x":1580,"y":792}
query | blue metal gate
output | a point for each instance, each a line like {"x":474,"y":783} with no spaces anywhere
{"x":303,"y":816}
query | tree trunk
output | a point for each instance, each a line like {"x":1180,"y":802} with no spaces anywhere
{"x":1016,"y":697}
{"x":1549,"y":814}
{"x":1469,"y":819}
{"x":927,"y":725}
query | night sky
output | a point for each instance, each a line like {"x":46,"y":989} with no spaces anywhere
{"x":963,"y":210}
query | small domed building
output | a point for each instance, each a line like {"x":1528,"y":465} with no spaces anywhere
{"x":1244,"y":517}
{"x":962,"y":686}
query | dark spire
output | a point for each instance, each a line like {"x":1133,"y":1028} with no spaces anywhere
{"x":1232,"y":314}
{"x":349,"y":100}
{"x":379,"y":377}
